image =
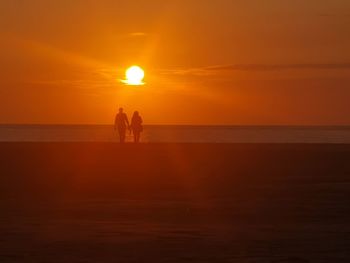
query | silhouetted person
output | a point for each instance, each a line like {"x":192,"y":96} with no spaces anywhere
{"x":121,"y":124}
{"x":136,"y":126}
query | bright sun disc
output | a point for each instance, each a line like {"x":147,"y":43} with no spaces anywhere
{"x":134,"y":76}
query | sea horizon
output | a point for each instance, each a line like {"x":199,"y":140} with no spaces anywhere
{"x":178,"y":133}
{"x":344,"y":126}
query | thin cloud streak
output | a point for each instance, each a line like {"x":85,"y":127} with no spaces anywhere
{"x":273,"y":67}
{"x":138,"y":34}
{"x":254,"y":68}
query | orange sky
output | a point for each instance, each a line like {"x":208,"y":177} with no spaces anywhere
{"x":207,"y":62}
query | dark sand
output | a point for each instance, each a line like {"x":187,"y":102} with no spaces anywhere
{"x":174,"y":203}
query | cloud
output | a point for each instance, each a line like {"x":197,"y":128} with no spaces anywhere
{"x":335,"y":15}
{"x":213,"y":70}
{"x":137,"y":34}
{"x":274,"y":67}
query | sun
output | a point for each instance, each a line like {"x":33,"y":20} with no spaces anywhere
{"x":134,"y":76}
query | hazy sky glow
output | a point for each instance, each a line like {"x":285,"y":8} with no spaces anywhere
{"x":206,"y":62}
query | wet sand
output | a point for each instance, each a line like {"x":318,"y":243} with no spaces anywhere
{"x":101,"y":202}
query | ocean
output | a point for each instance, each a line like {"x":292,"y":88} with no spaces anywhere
{"x":179,"y":134}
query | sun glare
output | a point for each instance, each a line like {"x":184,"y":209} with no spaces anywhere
{"x":134,"y":76}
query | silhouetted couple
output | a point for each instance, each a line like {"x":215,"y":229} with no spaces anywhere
{"x":122,"y":124}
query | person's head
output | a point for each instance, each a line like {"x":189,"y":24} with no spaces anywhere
{"x":121,"y":110}
{"x":136,"y":114}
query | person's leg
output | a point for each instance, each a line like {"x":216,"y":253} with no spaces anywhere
{"x":135,"y":136}
{"x":122,"y":134}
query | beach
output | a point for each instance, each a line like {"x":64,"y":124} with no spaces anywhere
{"x":105,"y":202}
